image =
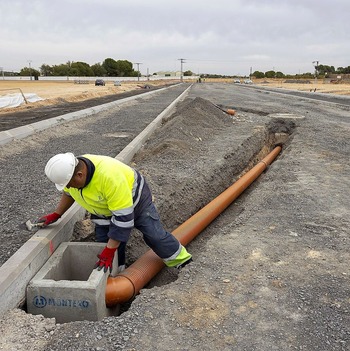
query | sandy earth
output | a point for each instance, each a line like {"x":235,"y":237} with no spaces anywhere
{"x":70,"y":91}
{"x":313,"y":86}
{"x":66,"y":97}
{"x":55,"y":92}
{"x":67,"y":91}
{"x":309,"y":85}
{"x":271,"y":273}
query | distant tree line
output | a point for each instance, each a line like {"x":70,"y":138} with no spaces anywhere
{"x":321,"y":71}
{"x":108,"y":68}
{"x":123,"y":68}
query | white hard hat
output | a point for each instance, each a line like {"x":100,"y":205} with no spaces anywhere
{"x":60,"y":169}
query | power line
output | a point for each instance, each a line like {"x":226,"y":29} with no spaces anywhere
{"x":315,"y":63}
{"x":30,"y":69}
{"x":138,"y":70}
{"x":182,"y":60}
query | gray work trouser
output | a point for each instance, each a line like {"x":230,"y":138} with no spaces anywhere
{"x":147,"y":221}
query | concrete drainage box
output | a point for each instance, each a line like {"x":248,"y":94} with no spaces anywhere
{"x":68,"y":287}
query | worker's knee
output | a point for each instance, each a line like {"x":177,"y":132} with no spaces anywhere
{"x":101,"y":233}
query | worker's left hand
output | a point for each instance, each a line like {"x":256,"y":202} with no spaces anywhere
{"x":105,"y":259}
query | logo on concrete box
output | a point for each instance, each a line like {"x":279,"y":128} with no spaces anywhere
{"x":40,"y":301}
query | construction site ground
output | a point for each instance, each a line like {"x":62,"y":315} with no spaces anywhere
{"x":270,"y":273}
{"x":63,"y":97}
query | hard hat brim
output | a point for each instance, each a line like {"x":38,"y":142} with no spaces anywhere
{"x":60,"y":187}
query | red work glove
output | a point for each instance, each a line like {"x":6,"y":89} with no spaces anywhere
{"x":49,"y":218}
{"x":105,"y":259}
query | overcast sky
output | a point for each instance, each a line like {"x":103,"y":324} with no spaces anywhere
{"x":213,"y":36}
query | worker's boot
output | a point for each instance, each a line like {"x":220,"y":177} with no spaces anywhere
{"x":182,"y":265}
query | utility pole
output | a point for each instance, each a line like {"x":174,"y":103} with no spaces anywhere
{"x":30,"y":69}
{"x":138,"y":70}
{"x":315,"y":63}
{"x":182,"y":62}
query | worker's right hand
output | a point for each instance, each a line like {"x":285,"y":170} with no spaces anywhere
{"x":49,"y":218}
{"x":105,"y":259}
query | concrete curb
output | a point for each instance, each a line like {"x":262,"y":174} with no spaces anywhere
{"x":30,"y":129}
{"x":16,"y":273}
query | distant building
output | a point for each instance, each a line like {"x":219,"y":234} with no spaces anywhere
{"x":169,"y":73}
{"x":339,"y":77}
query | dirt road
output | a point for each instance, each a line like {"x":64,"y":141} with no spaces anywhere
{"x":64,"y":97}
{"x":270,"y":273}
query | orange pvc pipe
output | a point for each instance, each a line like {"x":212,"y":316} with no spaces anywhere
{"x":231,"y":112}
{"x":128,"y":283}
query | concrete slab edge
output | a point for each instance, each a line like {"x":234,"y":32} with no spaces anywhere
{"x":303,"y":94}
{"x":20,"y":268}
{"x":30,"y":129}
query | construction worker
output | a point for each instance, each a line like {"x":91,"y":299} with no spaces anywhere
{"x":118,"y":198}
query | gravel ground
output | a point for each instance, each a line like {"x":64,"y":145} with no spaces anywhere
{"x":270,"y":273}
{"x":27,"y":194}
{"x":24,"y":115}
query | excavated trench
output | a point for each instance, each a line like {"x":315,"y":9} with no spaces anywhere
{"x":196,"y":155}
{"x":195,"y":186}
{"x":128,"y":283}
{"x":277,"y":133}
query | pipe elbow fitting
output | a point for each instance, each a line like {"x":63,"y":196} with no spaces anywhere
{"x":119,"y":289}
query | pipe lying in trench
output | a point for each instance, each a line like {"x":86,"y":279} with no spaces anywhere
{"x":128,"y":283}
{"x":231,"y":112}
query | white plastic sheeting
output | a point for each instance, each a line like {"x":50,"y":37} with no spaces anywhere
{"x":17,"y":99}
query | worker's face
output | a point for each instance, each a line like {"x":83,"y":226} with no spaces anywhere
{"x":77,"y":181}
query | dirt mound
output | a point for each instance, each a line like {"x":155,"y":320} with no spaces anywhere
{"x":184,"y":131}
{"x":195,"y":143}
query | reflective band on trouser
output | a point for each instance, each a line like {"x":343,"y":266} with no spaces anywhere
{"x":179,"y":257}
